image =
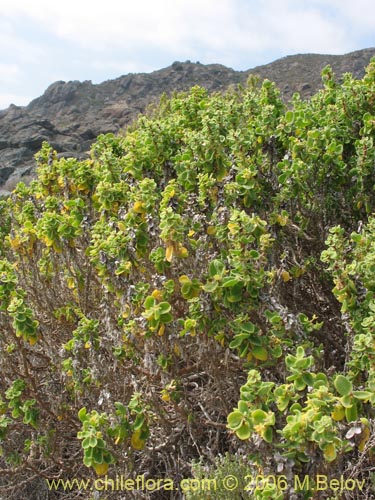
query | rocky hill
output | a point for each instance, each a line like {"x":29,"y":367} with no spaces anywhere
{"x":70,"y":115}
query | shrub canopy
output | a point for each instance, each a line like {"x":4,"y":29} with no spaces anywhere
{"x":204,"y":283}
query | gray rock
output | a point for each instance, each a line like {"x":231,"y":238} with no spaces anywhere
{"x":70,"y":115}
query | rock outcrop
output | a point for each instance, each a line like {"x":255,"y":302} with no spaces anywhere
{"x":70,"y":115}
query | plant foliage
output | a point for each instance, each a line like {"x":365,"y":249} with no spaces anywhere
{"x":203,"y":284}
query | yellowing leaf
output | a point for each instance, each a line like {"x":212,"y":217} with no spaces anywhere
{"x":15,"y":242}
{"x":32,"y":340}
{"x":101,"y":469}
{"x":211,"y":230}
{"x":233,"y":228}
{"x":285,"y":276}
{"x":365,"y":437}
{"x":136,"y":442}
{"x":157,"y":294}
{"x":182,"y":252}
{"x":121,"y":225}
{"x":282,"y":219}
{"x":139,"y":207}
{"x":82,"y":187}
{"x":221,"y":174}
{"x":184,"y":279}
{"x":126,"y":312}
{"x":165,"y":395}
{"x":48,"y":241}
{"x":70,"y":282}
{"x":338,"y":413}
{"x":169,"y":253}
{"x":260,"y":353}
{"x":330,"y":452}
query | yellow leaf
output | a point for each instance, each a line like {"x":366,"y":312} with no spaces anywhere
{"x":70,"y":283}
{"x":184,"y":279}
{"x":48,"y":241}
{"x":101,"y":469}
{"x":169,"y":253}
{"x":191,"y":233}
{"x":330,"y":452}
{"x":338,"y":413}
{"x":32,"y":340}
{"x":161,"y":330}
{"x":126,"y":312}
{"x":136,"y":442}
{"x":182,"y":252}
{"x":165,"y":395}
{"x":15,"y":243}
{"x":211,"y":230}
{"x":365,"y":437}
{"x":285,"y":276}
{"x":139,"y":207}
{"x":157,"y":294}
{"x":87,"y":345}
{"x":282,"y":219}
{"x":233,"y":228}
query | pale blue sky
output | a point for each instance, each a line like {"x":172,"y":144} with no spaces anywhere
{"x":42,"y":41}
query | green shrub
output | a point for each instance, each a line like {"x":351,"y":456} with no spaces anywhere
{"x":201,"y":278}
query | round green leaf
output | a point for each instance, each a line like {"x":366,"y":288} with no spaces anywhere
{"x":267,"y":435}
{"x":244,"y":432}
{"x":235,"y":419}
{"x":242,"y":406}
{"x":362,"y":395}
{"x":258,"y":416}
{"x":343,"y":385}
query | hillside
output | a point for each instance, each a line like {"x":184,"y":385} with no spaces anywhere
{"x":70,"y":115}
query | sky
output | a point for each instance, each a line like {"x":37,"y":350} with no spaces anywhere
{"x":42,"y":41}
